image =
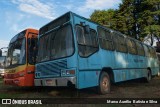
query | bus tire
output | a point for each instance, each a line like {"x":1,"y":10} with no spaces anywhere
{"x":104,"y":83}
{"x":149,"y":76}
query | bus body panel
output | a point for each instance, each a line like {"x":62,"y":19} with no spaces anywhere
{"x":154,"y":64}
{"x":88,"y":78}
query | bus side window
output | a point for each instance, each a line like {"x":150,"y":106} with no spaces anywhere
{"x":131,"y":46}
{"x":122,"y":44}
{"x":87,"y":42}
{"x":146,"y":51}
{"x":105,"y":39}
{"x":140,"y":49}
{"x":119,"y":42}
{"x":80,"y":34}
{"x":152,"y":52}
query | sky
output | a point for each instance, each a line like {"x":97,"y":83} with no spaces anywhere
{"x":17,"y":15}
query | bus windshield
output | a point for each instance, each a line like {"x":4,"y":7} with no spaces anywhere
{"x":2,"y":60}
{"x":56,"y":44}
{"x":16,"y":53}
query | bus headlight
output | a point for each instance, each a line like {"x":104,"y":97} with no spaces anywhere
{"x":67,"y":72}
{"x":21,"y":74}
{"x":70,"y":72}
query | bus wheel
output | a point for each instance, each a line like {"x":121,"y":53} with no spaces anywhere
{"x":149,"y":76}
{"x":104,"y":83}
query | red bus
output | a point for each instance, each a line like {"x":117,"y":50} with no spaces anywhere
{"x":20,"y":59}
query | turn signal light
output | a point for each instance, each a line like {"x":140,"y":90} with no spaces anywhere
{"x":70,"y":72}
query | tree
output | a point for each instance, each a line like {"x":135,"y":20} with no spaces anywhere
{"x":125,"y":18}
{"x":121,"y":19}
{"x":135,"y":18}
{"x":150,"y":18}
{"x":104,"y":17}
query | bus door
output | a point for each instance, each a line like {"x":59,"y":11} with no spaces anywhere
{"x":31,"y":57}
{"x":88,"y":57}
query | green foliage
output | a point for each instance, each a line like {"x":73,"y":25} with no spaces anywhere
{"x":104,"y":17}
{"x":150,"y":17}
{"x":146,"y":15}
{"x":152,"y":29}
{"x":124,"y":17}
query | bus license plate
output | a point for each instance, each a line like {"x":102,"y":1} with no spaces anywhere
{"x":50,"y":83}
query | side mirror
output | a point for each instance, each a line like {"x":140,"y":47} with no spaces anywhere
{"x":87,"y":29}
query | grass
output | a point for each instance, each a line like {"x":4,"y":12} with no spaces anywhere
{"x":0,"y":78}
{"x":4,"y":93}
{"x":1,"y":82}
{"x":8,"y":95}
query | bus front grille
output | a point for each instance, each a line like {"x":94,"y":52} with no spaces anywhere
{"x":50,"y":69}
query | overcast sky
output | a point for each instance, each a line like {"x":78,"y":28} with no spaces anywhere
{"x":17,"y":15}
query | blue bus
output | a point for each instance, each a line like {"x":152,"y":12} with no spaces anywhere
{"x":75,"y":50}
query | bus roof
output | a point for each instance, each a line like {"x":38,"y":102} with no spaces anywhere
{"x":22,"y":34}
{"x":68,"y":14}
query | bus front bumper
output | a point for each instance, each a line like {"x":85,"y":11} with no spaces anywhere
{"x":62,"y":81}
{"x":15,"y":82}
